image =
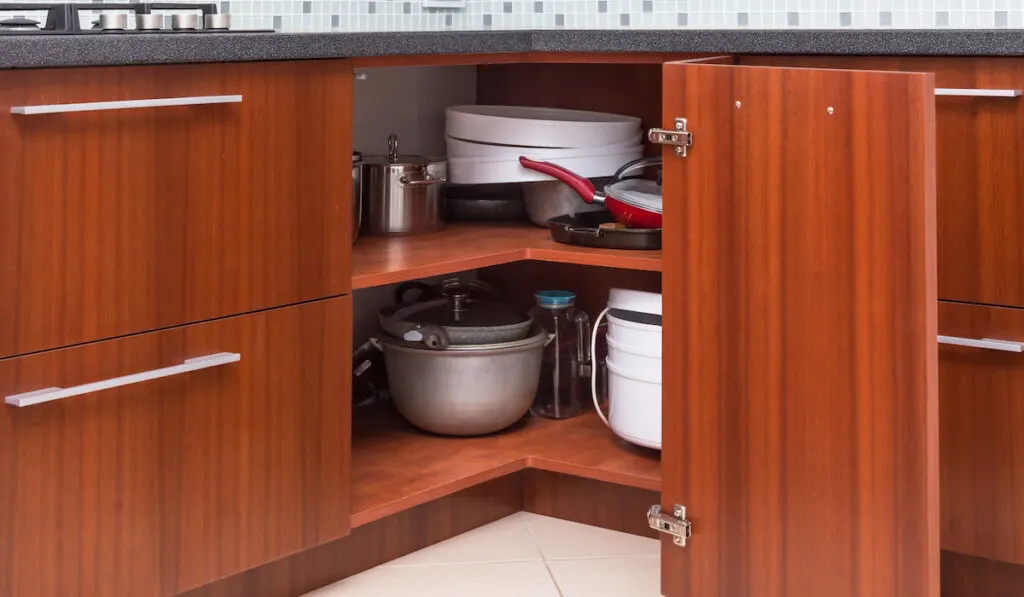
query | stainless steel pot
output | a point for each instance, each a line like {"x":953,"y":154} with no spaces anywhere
{"x":464,"y":390}
{"x":357,"y":189}
{"x":403,"y":195}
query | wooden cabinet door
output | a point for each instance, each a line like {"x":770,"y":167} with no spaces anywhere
{"x":981,"y":390}
{"x":800,"y":415}
{"x":119,"y":221}
{"x":164,"y":485}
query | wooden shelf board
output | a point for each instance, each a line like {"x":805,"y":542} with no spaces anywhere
{"x":459,"y":247}
{"x":396,"y":467}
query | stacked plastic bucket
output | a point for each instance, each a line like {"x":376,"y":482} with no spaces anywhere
{"x":634,"y":366}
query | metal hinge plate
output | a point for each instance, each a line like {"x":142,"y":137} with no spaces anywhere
{"x":675,"y":525}
{"x":681,"y":138}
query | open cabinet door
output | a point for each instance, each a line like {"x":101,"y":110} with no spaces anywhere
{"x":800,"y":409}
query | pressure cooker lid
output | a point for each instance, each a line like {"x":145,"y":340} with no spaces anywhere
{"x":460,"y":311}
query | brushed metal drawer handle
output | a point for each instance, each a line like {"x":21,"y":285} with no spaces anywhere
{"x":987,"y":343}
{"x":160,"y":102}
{"x":978,"y":92}
{"x":51,"y":394}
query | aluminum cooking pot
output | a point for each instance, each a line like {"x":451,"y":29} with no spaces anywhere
{"x":453,"y":314}
{"x":464,"y":390}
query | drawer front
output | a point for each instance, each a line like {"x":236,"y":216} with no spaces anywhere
{"x":979,"y":149}
{"x":162,"y":485}
{"x":981,"y":415}
{"x":123,"y":220}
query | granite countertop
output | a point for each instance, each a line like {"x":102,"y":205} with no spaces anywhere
{"x":40,"y":51}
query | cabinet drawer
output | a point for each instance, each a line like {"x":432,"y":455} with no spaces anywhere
{"x":162,"y":485}
{"x":981,"y":414}
{"x":127,"y":219}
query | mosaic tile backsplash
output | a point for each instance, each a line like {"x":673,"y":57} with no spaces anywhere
{"x":411,"y":15}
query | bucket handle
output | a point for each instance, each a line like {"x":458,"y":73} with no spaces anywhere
{"x":593,"y":373}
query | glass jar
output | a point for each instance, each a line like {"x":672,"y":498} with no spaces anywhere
{"x":565,"y":369}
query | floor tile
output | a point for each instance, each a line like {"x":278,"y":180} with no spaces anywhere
{"x":506,"y":579}
{"x":505,"y":540}
{"x":564,"y":540}
{"x":611,"y":577}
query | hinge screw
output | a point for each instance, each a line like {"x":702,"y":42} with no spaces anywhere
{"x":830,"y":110}
{"x":738,"y":104}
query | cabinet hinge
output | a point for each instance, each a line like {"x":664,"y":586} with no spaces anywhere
{"x":675,"y":525}
{"x":681,"y":138}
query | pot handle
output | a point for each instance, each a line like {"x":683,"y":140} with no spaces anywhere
{"x":583,"y":187}
{"x":431,"y":336}
{"x":427,"y":292}
{"x":593,"y":373}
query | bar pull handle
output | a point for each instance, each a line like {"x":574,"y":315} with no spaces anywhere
{"x":160,"y":102}
{"x":51,"y":394}
{"x":986,"y":343}
{"x":945,"y":91}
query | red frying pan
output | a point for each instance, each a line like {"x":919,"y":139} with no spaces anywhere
{"x":635,"y":202}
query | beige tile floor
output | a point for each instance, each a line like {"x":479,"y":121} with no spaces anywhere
{"x":523,"y":555}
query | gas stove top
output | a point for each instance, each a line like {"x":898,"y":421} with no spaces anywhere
{"x":115,"y":18}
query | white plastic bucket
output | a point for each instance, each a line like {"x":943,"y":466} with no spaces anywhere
{"x":634,"y":407}
{"x":632,"y":333}
{"x":644,"y":362}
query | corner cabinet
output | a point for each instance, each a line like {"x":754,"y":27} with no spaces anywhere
{"x":800,"y":388}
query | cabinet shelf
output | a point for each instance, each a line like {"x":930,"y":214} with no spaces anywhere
{"x":385,"y":260}
{"x":396,"y":467}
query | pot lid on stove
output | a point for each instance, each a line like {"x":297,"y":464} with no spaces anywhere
{"x":19,"y":24}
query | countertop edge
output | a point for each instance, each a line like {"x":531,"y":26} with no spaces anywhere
{"x":49,"y":51}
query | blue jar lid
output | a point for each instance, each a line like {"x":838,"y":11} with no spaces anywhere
{"x":555,"y":298}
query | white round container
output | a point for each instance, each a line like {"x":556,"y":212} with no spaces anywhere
{"x":644,"y":362}
{"x":459,"y":148}
{"x":539,"y":127}
{"x":502,"y":169}
{"x":635,"y":300}
{"x":632,"y":333}
{"x":634,"y":407}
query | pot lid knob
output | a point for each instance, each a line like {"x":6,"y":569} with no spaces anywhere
{"x":392,"y":148}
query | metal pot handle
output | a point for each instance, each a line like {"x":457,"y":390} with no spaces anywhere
{"x":431,"y":336}
{"x":427,"y":180}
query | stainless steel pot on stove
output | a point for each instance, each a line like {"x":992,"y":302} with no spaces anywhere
{"x":403,"y":195}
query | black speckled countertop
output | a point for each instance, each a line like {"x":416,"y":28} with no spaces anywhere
{"x":41,"y":51}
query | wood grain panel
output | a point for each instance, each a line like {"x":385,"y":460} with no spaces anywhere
{"x":434,"y":466}
{"x":123,"y":221}
{"x":966,"y":576}
{"x":165,"y":485}
{"x":980,"y":157}
{"x":800,"y":415}
{"x":982,"y":449}
{"x":631,"y":89}
{"x":378,"y":260}
{"x":586,"y":501}
{"x":375,"y":543}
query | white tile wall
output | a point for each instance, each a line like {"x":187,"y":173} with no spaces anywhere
{"x":408,"y":15}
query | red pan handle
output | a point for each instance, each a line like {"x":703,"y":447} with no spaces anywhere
{"x":582,"y":186}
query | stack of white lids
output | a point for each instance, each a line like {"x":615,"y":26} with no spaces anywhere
{"x":485,"y":142}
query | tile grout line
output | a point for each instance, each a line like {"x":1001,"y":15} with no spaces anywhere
{"x":543,"y":558}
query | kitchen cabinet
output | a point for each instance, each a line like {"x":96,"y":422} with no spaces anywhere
{"x":980,"y":169}
{"x":980,"y":390}
{"x":164,"y":485}
{"x":159,"y":209}
{"x":800,"y":408}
